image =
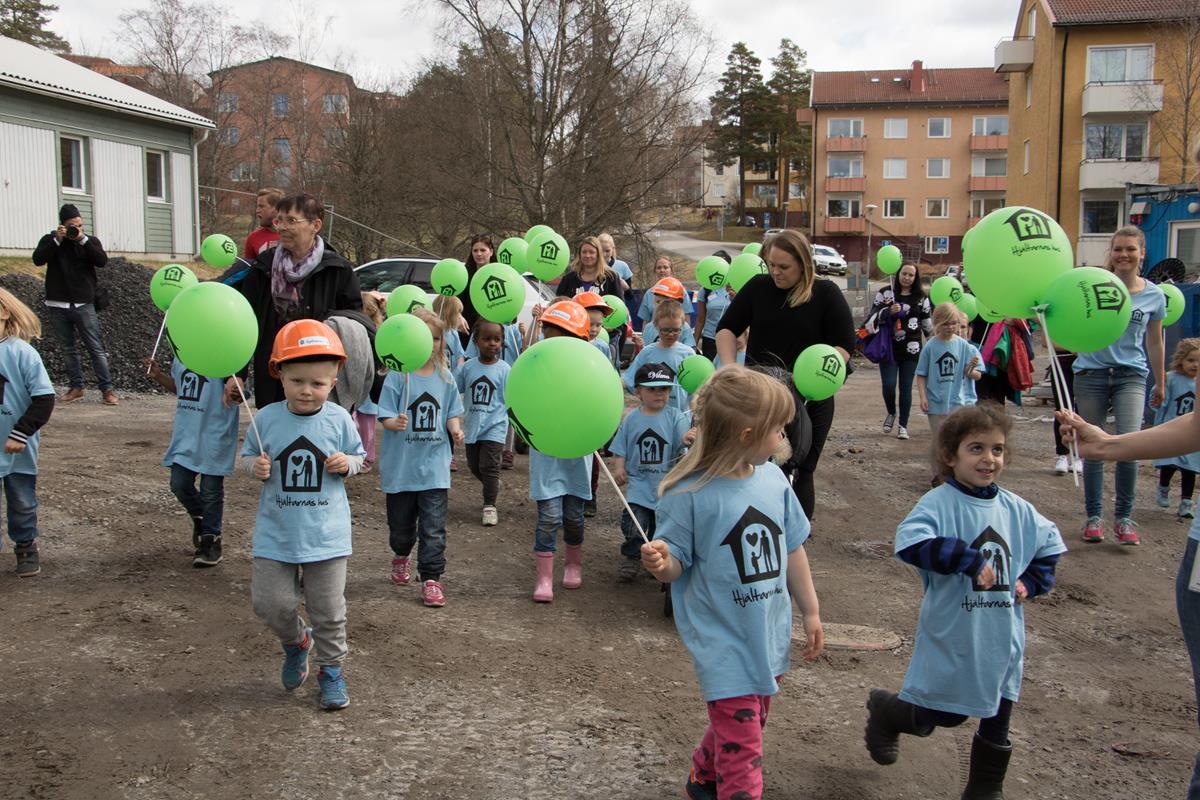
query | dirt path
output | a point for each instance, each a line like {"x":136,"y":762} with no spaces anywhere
{"x":131,"y":675}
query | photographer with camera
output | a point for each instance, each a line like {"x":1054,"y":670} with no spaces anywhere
{"x":72,"y":257}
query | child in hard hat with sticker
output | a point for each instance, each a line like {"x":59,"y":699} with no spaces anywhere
{"x":669,"y":290}
{"x":596,"y":310}
{"x":303,"y":448}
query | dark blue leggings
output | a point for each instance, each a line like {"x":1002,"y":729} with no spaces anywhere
{"x":904,"y":371}
{"x":992,"y":729}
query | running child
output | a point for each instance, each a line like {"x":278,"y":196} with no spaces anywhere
{"x":945,"y":361}
{"x":668,"y":316}
{"x":982,"y":552}
{"x":482,"y":381}
{"x":1179,"y":400}
{"x":668,"y":290}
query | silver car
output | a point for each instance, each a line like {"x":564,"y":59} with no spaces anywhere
{"x":828,"y":261}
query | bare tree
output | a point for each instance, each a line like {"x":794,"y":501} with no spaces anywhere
{"x":1177,"y":53}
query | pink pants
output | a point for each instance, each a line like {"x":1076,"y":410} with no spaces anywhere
{"x":731,"y":751}
{"x":366,"y":432}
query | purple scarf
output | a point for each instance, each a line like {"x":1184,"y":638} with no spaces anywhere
{"x":286,"y":276}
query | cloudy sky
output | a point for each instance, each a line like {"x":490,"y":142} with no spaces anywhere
{"x":378,"y":41}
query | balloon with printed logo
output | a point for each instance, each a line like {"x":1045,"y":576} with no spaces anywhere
{"x":498,"y":293}
{"x":754,"y":249}
{"x":404,"y":343}
{"x":547,"y":256}
{"x":404,"y":299}
{"x":449,"y":277}
{"x":743,"y":268}
{"x":1175,"y":303}
{"x":712,"y":272}
{"x":966,"y":304}
{"x":512,"y":253}
{"x":819,"y":372}
{"x":985,"y":313}
{"x":1087,"y":309}
{"x":212,"y":329}
{"x":888,"y":259}
{"x":169,"y":281}
{"x":619,"y":315}
{"x":1015,"y":254}
{"x":945,"y":289}
{"x":536,"y":231}
{"x":693,"y":372}
{"x":557,"y":374}
{"x":218,"y":250}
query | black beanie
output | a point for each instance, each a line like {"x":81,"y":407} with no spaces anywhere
{"x":68,"y":211}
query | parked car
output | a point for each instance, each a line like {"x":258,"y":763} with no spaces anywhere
{"x":828,"y":261}
{"x":771,"y":232}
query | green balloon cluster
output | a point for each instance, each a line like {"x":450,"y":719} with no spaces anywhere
{"x":753,"y":249}
{"x":557,"y":374}
{"x":888,"y":259}
{"x":536,"y":231}
{"x":449,"y":277}
{"x":404,"y":299}
{"x":404,"y":343}
{"x":498,"y":293}
{"x":743,"y":268}
{"x":1015,"y":254}
{"x":169,"y":281}
{"x":968,"y":306}
{"x":712,"y":272}
{"x":511,"y":252}
{"x":219,"y":251}
{"x":693,"y":372}
{"x":1175,"y":303}
{"x":547,"y":256}
{"x":986,"y":313}
{"x":819,"y":372}
{"x":945,"y":289}
{"x":619,"y":315}
{"x":212,"y":329}
{"x":1087,"y":309}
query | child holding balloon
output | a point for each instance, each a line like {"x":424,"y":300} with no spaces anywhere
{"x":482,"y":382}
{"x":668,"y":317}
{"x":1179,"y":401}
{"x":730,"y":543}
{"x":421,"y":412}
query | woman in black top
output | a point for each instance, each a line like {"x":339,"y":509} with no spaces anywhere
{"x":903,"y":309}
{"x":481,"y":253}
{"x":786,"y":311}
{"x":589,"y":273}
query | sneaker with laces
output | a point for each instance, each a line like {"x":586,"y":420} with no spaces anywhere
{"x":1164,"y":499}
{"x":490,"y":516}
{"x":332,"y":681}
{"x":1062,"y":465}
{"x":432,"y":594}
{"x":1093,"y":530}
{"x":888,"y":422}
{"x":28,"y":561}
{"x":295,"y":661}
{"x":902,"y":433}
{"x":401,"y":571}
{"x":209,"y":552}
{"x":1187,"y":510}
{"x":627,"y":570}
{"x":1127,"y":532}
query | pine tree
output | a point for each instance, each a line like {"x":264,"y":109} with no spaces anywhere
{"x":25,"y":21}
{"x":740,"y":110}
{"x":790,"y":85}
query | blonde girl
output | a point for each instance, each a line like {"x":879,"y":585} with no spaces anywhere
{"x":946,"y":361}
{"x":450,"y":312}
{"x":1178,"y":402}
{"x":364,"y":414}
{"x":589,"y":272}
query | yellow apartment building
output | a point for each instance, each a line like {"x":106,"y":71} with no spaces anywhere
{"x":908,"y":156}
{"x":1088,"y":84}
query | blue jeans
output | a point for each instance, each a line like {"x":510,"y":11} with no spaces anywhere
{"x":1124,"y":390}
{"x":564,"y":512}
{"x":208,"y":504}
{"x":904,"y":371}
{"x":1187,"y":603}
{"x":632,"y":546}
{"x":414,"y":517}
{"x":82,"y":320}
{"x":20,"y":496}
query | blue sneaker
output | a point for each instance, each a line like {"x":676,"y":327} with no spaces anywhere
{"x":332,"y":681}
{"x":295,"y":661}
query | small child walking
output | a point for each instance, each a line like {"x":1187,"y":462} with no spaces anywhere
{"x":482,"y":381}
{"x":945,"y":362}
{"x":666,"y":349}
{"x":969,"y":396}
{"x":730,"y":542}
{"x":981,"y":552}
{"x":364,"y":414}
{"x":421,"y":413}
{"x":1179,"y":400}
{"x":669,"y":290}
{"x":302,"y":541}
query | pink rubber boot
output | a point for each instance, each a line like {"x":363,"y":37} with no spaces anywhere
{"x":543,"y":590}
{"x":573,"y":571}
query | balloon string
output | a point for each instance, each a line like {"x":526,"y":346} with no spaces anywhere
{"x":404,"y":405}
{"x":621,"y":495}
{"x":1059,"y":378}
{"x":246,"y":403}
{"x":161,"y":328}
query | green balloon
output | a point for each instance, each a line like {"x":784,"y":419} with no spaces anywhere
{"x":967,"y":305}
{"x":889,"y":260}
{"x":819,"y":372}
{"x":603,"y":336}
{"x":548,"y":255}
{"x":449,"y":277}
{"x":498,"y":293}
{"x":693,"y":372}
{"x":169,"y":281}
{"x":743,"y":268}
{"x":219,"y":251}
{"x":1087,"y":309}
{"x":404,"y":343}
{"x":511,"y":252}
{"x":1015,"y":254}
{"x":754,"y":248}
{"x":558,"y":374}
{"x":712,"y":272}
{"x":404,"y":299}
{"x":966,"y":239}
{"x":986,"y":313}
{"x":536,"y":231}
{"x":945,"y":289}
{"x":212,"y":329}
{"x":619,"y":315}
{"x":1175,"y":303}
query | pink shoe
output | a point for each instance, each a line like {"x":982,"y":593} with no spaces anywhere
{"x":453,"y":464}
{"x":573,"y":571}
{"x":543,"y":590}
{"x":432,"y":594}
{"x":401,"y":571}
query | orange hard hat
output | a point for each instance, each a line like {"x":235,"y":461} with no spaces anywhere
{"x":669,"y":287}
{"x":591,"y":300}
{"x":569,"y":316}
{"x":301,"y":339}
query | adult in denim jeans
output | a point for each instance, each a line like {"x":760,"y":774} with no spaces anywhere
{"x":1116,"y":377}
{"x":71,"y":258}
{"x":904,"y":309}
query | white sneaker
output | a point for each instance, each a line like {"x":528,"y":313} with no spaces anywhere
{"x":490,"y":517}
{"x":1062,"y":465}
{"x":902,"y":433}
{"x":1077,"y":465}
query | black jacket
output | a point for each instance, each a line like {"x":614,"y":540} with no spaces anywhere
{"x":332,"y":286}
{"x":71,"y":274}
{"x":571,"y":284}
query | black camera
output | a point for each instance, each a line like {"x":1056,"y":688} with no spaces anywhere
{"x":72,"y":231}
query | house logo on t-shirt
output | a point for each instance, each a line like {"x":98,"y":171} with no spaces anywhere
{"x":301,"y":467}
{"x":1136,"y":317}
{"x":191,"y":386}
{"x":652,"y":448}
{"x":756,"y":544}
{"x":482,"y":391}
{"x":1183,"y":404}
{"x":423,"y":414}
{"x":996,"y":553}
{"x":947,"y":365}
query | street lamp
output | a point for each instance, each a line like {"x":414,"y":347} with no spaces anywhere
{"x":867,"y":261}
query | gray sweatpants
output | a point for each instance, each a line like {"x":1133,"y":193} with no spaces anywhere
{"x":275,"y":592}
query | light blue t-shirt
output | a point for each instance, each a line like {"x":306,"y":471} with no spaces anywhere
{"x":646,"y":309}
{"x":714,"y":309}
{"x":1179,"y":400}
{"x":621,"y":268}
{"x":367,"y":406}
{"x":732,"y":606}
{"x":513,"y":344}
{"x":22,"y":378}
{"x":602,"y":346}
{"x":303,"y":513}
{"x":650,"y":335}
{"x":656,"y":354}
{"x":741,"y":359}
{"x":969,"y":397}
{"x":1148,"y":304}
{"x":205,"y":438}
{"x":551,"y":477}
{"x":417,"y":458}
{"x":650,"y":445}
{"x":970,"y":643}
{"x":482,"y":387}
{"x":454,"y":349}
{"x":942,"y":365}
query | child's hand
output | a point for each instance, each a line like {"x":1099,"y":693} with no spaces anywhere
{"x":654,"y":557}
{"x":925,"y":405}
{"x":262,"y":467}
{"x":689,"y":438}
{"x":232,"y":395}
{"x":620,"y":476}
{"x":458,"y":436}
{"x":152,"y":367}
{"x":1022,"y":592}
{"x":986,"y":577}
{"x":972,"y":364}
{"x":395,"y":423}
{"x":521,"y":329}
{"x":337,"y":464}
{"x":537,"y":310}
{"x":814,"y":638}
{"x":12,"y":446}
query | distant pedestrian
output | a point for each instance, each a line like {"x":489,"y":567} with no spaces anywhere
{"x":265,"y":235}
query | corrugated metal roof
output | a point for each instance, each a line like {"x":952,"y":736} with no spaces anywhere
{"x":976,"y":85}
{"x":1101,"y":12}
{"x":24,"y":66}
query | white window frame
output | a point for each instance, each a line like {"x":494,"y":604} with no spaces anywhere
{"x":1125,"y":126}
{"x":889,"y":133}
{"x":1127,"y":48}
{"x":335,"y":107}
{"x":855,"y":122}
{"x":1029,"y":89}
{"x":852,"y":160}
{"x":984,"y":118}
{"x":162,"y":175}
{"x":1083,"y":201}
{"x":82,"y":163}
{"x":229,"y":135}
{"x":945,"y":172}
{"x":227,"y":103}
{"x":979,"y":166}
{"x":931,"y":248}
{"x":903,"y":207}
{"x":929,"y":128}
{"x":981,"y":209}
{"x":945,"y":201}
{"x":903,"y":162}
{"x":1033,"y":19}
{"x":850,"y":201}
{"x":1025,"y":170}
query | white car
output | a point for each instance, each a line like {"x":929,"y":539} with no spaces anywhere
{"x":828,"y":261}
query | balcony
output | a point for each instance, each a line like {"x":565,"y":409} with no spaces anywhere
{"x":1112,"y":174}
{"x":845,"y":225}
{"x":846,"y":144}
{"x":845,"y":184}
{"x":988,"y":183}
{"x":987,"y":143}
{"x":1014,"y":55}
{"x":1132,"y":97}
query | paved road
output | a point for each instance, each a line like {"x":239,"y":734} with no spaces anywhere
{"x":680,"y":243}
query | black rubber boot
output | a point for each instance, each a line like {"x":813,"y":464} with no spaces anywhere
{"x":888,"y":717}
{"x":989,"y":764}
